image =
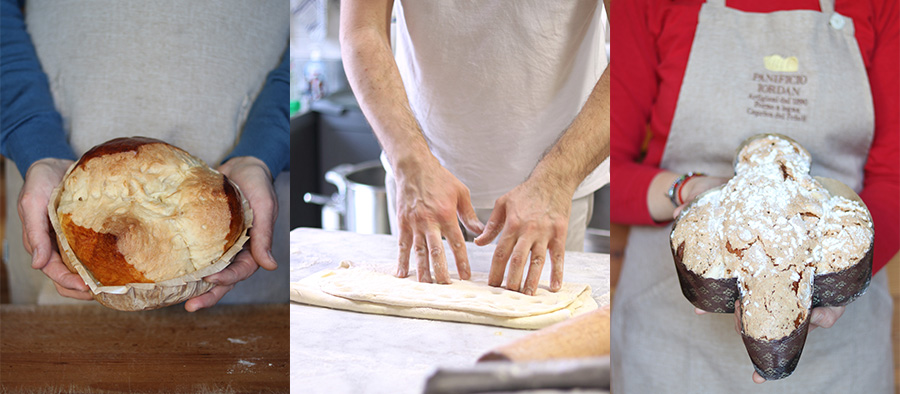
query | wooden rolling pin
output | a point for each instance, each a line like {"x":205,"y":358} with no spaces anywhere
{"x":583,"y":336}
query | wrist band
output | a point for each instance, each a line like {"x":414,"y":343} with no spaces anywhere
{"x":674,"y":192}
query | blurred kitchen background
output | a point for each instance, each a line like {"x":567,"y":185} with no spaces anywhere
{"x":336,"y":179}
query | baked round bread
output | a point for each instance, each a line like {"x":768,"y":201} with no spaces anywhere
{"x":780,"y":241}
{"x":138,"y":210}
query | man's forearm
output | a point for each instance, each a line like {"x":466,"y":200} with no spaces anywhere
{"x":376,"y":82}
{"x":583,"y":146}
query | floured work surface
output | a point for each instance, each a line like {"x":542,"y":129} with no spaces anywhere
{"x":471,"y":301}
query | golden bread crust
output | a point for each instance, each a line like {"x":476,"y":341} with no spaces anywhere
{"x":102,"y":257}
{"x":140,"y":210}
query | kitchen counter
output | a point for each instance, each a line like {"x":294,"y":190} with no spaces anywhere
{"x":91,"y":349}
{"x":335,"y":351}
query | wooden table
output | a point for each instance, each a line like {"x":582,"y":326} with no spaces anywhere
{"x":92,"y":349}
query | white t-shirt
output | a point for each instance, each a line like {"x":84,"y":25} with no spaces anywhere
{"x":495,"y":84}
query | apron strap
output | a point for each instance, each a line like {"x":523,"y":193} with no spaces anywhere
{"x":720,"y":3}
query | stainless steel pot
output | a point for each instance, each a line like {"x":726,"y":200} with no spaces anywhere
{"x":360,"y":205}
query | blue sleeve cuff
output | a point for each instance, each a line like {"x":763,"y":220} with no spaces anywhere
{"x":266,"y":134}
{"x":38,"y":137}
{"x":30,"y":127}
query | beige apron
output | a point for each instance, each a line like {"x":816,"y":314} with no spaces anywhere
{"x":816,"y":91}
{"x":183,"y":72}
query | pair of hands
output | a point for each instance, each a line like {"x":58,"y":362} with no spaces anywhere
{"x":533,"y":219}
{"x":823,"y":316}
{"x":249,"y":173}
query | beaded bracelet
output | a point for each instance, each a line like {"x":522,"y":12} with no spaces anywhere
{"x":674,"y":192}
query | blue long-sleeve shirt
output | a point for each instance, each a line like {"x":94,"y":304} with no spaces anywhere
{"x":31,"y":127}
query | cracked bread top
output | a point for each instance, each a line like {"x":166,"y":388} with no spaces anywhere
{"x":774,"y":227}
{"x":140,"y":210}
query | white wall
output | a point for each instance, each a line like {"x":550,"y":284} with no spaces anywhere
{"x":302,"y":43}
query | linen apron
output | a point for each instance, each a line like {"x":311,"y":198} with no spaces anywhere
{"x":183,"y":72}
{"x":798,"y":73}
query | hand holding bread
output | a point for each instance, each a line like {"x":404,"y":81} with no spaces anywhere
{"x":253,"y":178}
{"x":40,"y":179}
{"x":142,"y":222}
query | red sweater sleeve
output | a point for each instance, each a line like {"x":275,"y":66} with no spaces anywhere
{"x":881,"y":183}
{"x":633,"y":89}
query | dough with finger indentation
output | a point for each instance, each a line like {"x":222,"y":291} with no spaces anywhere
{"x":472,"y":301}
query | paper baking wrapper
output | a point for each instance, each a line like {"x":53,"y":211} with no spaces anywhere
{"x":708,"y":294}
{"x":146,"y":296}
{"x":776,"y":359}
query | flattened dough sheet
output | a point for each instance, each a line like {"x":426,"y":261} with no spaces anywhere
{"x":471,"y":301}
